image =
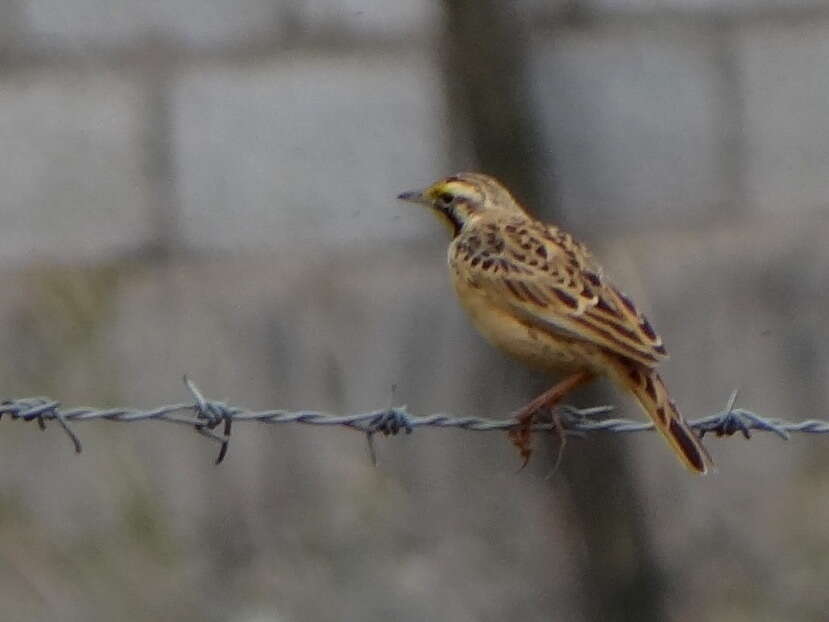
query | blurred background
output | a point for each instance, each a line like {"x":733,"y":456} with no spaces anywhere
{"x":208,"y":188}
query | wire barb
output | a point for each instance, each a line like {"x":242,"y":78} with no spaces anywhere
{"x":39,"y":409}
{"x":204,"y":416}
{"x":210,"y":415}
{"x":389,"y":423}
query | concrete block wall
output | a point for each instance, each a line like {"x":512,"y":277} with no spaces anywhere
{"x":305,"y":150}
{"x":635,"y":120}
{"x":679,"y":116}
{"x":785,"y":90}
{"x":73,"y":163}
{"x":121,"y":112}
{"x":98,"y":24}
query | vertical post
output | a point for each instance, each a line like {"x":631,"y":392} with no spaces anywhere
{"x":485,"y":81}
{"x":158,"y":146}
{"x":491,"y":111}
{"x":11,"y":27}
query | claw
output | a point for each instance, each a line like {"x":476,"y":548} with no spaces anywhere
{"x":521,"y":437}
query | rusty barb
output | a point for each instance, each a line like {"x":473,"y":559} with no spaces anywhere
{"x":205,"y":416}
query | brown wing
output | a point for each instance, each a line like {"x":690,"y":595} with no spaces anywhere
{"x":547,"y":278}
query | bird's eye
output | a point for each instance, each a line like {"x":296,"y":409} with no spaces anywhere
{"x":446,"y":198}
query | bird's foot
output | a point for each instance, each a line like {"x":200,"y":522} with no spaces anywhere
{"x":521,"y":435}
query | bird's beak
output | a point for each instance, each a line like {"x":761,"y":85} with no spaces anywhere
{"x":414,"y":196}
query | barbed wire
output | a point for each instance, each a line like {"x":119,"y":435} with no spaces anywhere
{"x":204,"y":416}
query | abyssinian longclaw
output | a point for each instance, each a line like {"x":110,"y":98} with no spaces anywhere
{"x":536,"y":293}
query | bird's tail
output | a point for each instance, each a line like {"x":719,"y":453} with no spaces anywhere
{"x":653,"y":397}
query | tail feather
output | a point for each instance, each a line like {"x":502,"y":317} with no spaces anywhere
{"x":653,"y":397}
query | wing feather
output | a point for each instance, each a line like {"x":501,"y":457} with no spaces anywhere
{"x":548,"y":279}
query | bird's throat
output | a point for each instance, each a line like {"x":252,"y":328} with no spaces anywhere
{"x":449,"y":218}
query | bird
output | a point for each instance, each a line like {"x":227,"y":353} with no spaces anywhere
{"x":537,"y":294}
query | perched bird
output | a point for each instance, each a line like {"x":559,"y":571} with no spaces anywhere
{"x":535,"y":292}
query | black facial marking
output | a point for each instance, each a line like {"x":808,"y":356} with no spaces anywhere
{"x":446,"y":198}
{"x":447,"y":209}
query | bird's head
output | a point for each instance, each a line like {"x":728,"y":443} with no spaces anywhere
{"x":460,"y":198}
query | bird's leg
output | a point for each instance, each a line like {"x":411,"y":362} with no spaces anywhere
{"x":520,"y":435}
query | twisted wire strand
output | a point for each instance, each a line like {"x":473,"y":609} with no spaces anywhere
{"x":206,"y":415}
